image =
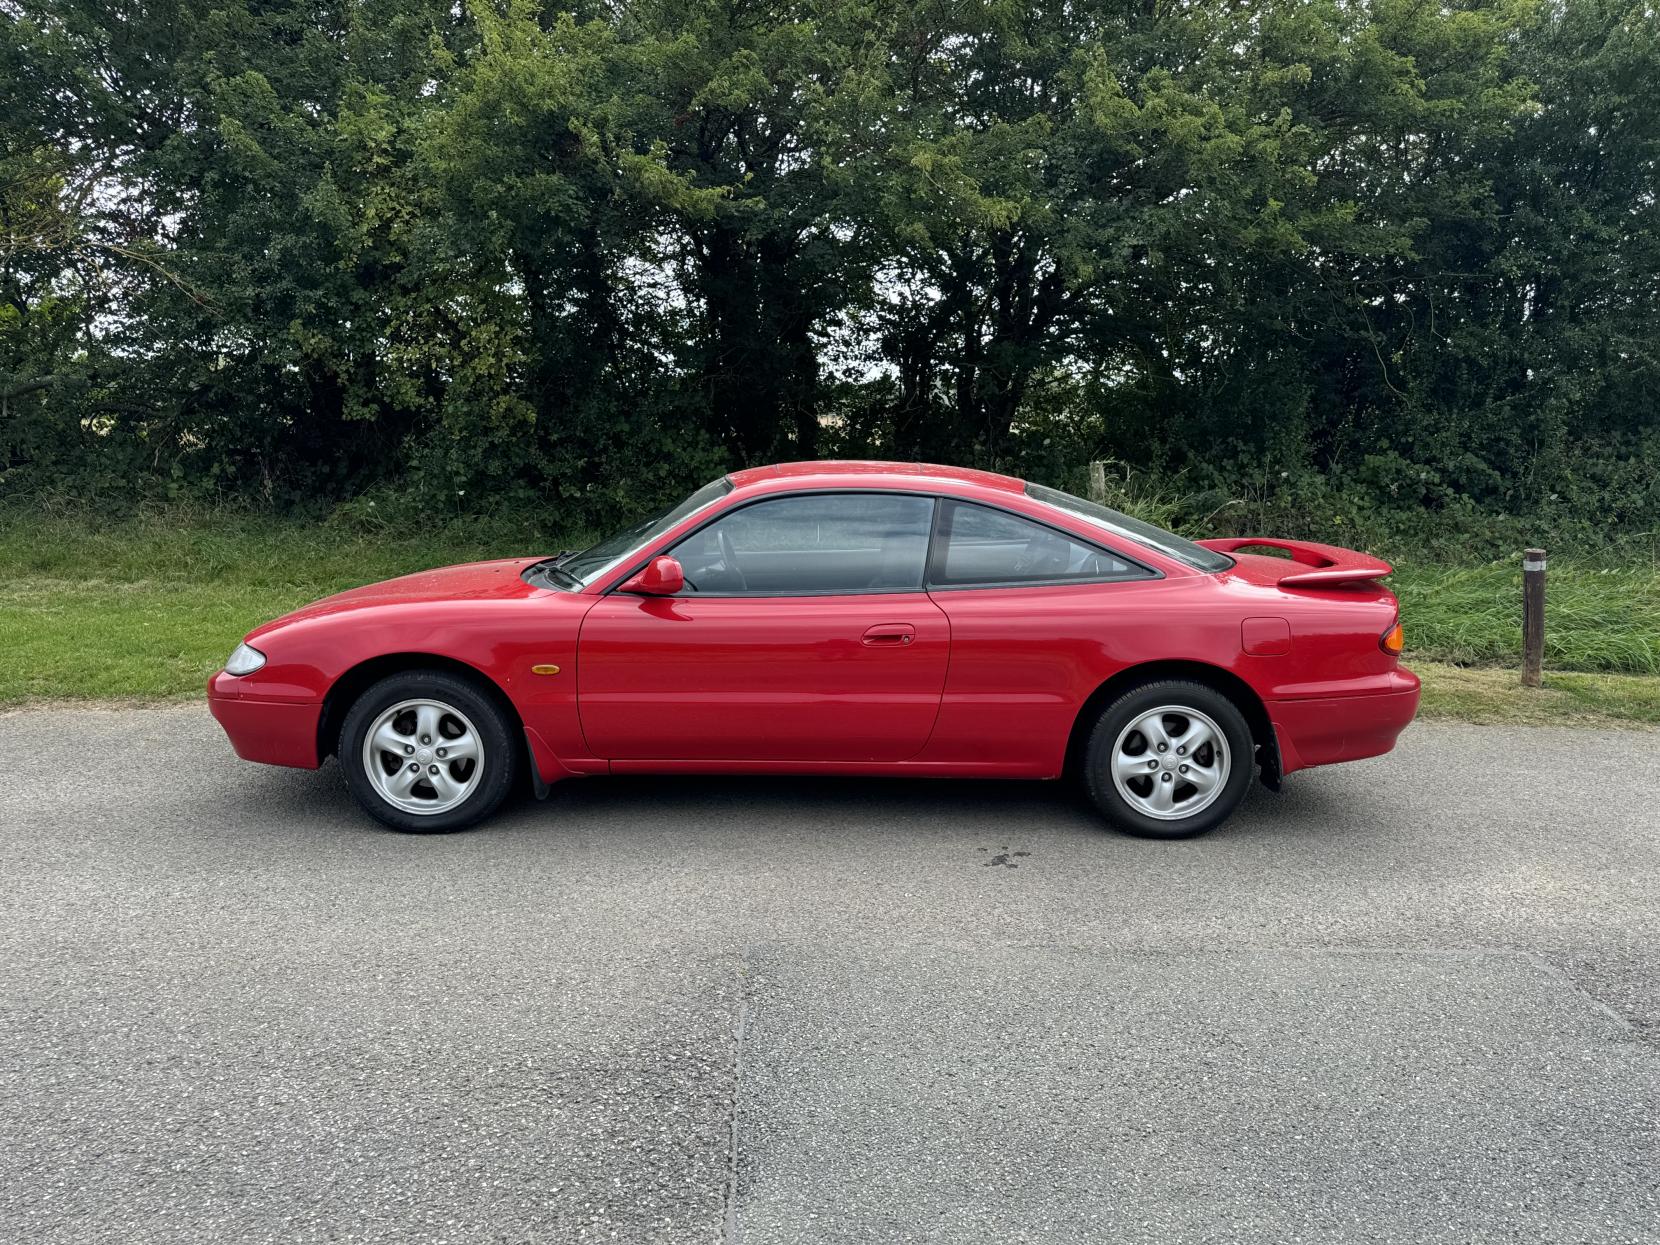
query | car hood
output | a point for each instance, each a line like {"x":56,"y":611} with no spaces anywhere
{"x":470,"y":581}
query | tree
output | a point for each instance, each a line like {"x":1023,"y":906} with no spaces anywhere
{"x":294,"y":251}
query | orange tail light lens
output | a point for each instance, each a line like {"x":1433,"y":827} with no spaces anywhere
{"x":1393,"y":640}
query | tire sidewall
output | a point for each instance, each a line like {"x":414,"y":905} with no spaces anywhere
{"x":1125,"y":709}
{"x":500,"y":749}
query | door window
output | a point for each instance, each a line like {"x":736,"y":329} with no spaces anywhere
{"x":982,"y":547}
{"x":812,"y":544}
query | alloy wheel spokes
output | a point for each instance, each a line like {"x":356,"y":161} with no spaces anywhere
{"x":444,"y":787}
{"x":426,"y":721}
{"x":423,"y":756}
{"x":402,"y":782}
{"x":1197,"y":735}
{"x":1152,"y":730}
{"x":1170,"y":763}
{"x":462,"y":748}
{"x":388,"y":740}
{"x":1203,"y":778}
{"x":1126,"y":766}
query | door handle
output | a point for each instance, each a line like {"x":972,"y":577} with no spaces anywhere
{"x":890,"y":635}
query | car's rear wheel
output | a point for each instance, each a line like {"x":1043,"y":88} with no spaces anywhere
{"x":1168,"y":760}
{"x":425,"y":751}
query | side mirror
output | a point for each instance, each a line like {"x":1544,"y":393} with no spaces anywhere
{"x":661,"y":578}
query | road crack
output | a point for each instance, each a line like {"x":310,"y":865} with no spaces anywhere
{"x":731,"y":1233}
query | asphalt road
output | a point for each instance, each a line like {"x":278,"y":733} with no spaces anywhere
{"x":1414,"y":999}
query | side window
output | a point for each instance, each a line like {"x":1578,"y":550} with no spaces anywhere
{"x":812,"y":543}
{"x":979,"y":545}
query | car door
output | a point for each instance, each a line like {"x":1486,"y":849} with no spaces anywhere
{"x":804,"y":634}
{"x":1038,"y":618}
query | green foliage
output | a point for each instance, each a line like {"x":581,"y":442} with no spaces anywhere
{"x":166,"y":591}
{"x":1598,"y":618}
{"x":1384,"y":271}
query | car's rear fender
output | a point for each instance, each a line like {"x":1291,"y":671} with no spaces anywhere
{"x":1223,"y":681}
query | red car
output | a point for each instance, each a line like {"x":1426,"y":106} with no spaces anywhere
{"x":841,"y":618}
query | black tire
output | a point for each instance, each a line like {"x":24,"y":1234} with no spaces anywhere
{"x":1133,"y":704}
{"x":498,"y":767}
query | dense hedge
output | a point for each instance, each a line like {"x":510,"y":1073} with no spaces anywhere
{"x":1304,"y":262}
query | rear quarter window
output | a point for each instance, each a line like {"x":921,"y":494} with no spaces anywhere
{"x":981,"y":546}
{"x":1127,"y":527}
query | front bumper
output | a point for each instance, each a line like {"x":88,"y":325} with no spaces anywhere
{"x":274,"y":732}
{"x":1325,"y":730}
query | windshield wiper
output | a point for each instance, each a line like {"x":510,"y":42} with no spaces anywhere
{"x":549,"y":568}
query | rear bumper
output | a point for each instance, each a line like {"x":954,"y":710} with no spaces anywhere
{"x":274,"y":732}
{"x":1323,"y":731}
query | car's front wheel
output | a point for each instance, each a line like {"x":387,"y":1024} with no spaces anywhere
{"x":425,"y":752}
{"x":1168,"y":760}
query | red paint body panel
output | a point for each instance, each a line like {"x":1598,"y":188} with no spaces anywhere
{"x":274,"y":732}
{"x":967,"y":681}
{"x":1265,"y":637}
{"x":857,"y":473}
{"x":1326,"y":730}
{"x":1024,"y":660}
{"x":482,"y":616}
{"x":762,"y":678}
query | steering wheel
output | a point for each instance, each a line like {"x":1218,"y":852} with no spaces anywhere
{"x":729,"y":555}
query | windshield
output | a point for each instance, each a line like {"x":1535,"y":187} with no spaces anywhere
{"x":1168,"y":543}
{"x":581,"y":569}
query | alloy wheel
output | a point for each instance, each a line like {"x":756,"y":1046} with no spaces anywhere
{"x":423,"y":756}
{"x":1170,"y":763}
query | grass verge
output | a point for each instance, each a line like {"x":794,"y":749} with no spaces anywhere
{"x":148,"y":608}
{"x":1568,"y":698}
{"x":1604,"y":619}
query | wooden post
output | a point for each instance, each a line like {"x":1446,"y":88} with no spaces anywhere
{"x":1533,"y":617}
{"x":1098,"y":482}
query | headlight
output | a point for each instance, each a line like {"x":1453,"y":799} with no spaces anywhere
{"x":244,"y":660}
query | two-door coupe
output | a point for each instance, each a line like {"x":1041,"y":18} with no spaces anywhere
{"x":841,"y":618}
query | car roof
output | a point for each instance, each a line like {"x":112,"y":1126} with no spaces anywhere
{"x":869,"y":472}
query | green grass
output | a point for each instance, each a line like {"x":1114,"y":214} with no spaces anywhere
{"x":1599,"y":619}
{"x":147,"y":608}
{"x":1486,"y":694}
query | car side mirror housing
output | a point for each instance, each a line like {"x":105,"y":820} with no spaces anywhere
{"x":662,"y":577}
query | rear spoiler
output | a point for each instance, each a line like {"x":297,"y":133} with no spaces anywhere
{"x":1327,"y":563}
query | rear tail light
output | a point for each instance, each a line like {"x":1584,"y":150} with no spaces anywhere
{"x":1393,"y":640}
